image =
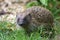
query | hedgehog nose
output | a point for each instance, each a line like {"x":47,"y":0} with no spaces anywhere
{"x":21,"y":24}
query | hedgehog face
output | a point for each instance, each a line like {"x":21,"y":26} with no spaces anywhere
{"x":23,"y":20}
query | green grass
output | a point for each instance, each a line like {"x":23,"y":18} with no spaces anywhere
{"x":9,"y":34}
{"x":19,"y":35}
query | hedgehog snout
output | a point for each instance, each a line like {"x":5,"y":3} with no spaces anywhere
{"x":23,"y":20}
{"x":20,"y":21}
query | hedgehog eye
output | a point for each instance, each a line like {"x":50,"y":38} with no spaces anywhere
{"x":28,"y":18}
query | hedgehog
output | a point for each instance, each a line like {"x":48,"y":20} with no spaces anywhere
{"x":32,"y":18}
